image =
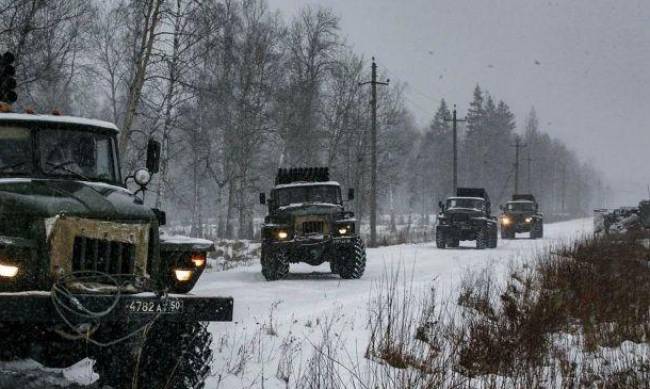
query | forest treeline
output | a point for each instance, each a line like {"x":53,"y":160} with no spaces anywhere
{"x":233,"y":91}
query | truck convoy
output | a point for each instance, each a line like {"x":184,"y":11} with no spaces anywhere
{"x":84,"y":270}
{"x":519,"y":215}
{"x":307,"y":222}
{"x":466,"y":216}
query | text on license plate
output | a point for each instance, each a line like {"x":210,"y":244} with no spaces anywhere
{"x":149,"y":306}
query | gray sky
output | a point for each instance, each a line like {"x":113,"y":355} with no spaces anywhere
{"x":584,"y":65}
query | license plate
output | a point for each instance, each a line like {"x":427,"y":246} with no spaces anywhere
{"x":168,"y":306}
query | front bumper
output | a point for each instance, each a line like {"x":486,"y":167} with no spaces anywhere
{"x":37,"y":307}
{"x":517,"y":227}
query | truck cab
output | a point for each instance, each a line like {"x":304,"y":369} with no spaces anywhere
{"x":466,"y":216}
{"x":74,"y":239}
{"x":307,"y":222}
{"x":521,"y":215}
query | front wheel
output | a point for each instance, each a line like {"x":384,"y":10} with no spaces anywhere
{"x":275,"y":265}
{"x":493,"y":238}
{"x":482,"y":238}
{"x":440,"y":239}
{"x":353,"y":262}
{"x":175,"y":356}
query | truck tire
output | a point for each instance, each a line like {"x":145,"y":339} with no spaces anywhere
{"x":493,"y":238}
{"x":453,"y":242}
{"x":441,"y":240}
{"x":275,"y":265}
{"x":333,"y":268}
{"x":539,"y":230}
{"x":482,"y":238}
{"x":353,"y":263}
{"x":175,"y":356}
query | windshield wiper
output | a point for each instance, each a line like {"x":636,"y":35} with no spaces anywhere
{"x":15,"y":165}
{"x":63,"y":167}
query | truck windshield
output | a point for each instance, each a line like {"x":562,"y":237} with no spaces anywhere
{"x":309,"y":194}
{"x":465,"y":203}
{"x":15,"y":151}
{"x":83,"y":155}
{"x":521,"y":206}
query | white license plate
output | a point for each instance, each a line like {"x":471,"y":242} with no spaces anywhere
{"x":168,"y":306}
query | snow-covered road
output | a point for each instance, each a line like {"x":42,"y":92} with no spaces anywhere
{"x":268,"y":312}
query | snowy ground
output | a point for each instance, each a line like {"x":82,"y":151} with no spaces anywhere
{"x":278,"y":325}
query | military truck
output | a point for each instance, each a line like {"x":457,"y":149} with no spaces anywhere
{"x":84,"y":271}
{"x":307,"y":222}
{"x":520,"y":215}
{"x":466,"y":216}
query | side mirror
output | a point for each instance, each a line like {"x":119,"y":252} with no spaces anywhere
{"x":441,"y":205}
{"x":350,"y":194}
{"x":262,"y":198}
{"x":501,"y":207}
{"x":153,"y":156}
{"x":160,"y":215}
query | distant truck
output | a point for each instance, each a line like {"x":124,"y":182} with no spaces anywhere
{"x":520,"y":215}
{"x":466,"y":217}
{"x":622,"y":219}
{"x":307,"y":222}
{"x":84,"y":270}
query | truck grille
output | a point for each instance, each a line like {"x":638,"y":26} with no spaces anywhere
{"x":312,"y":227}
{"x":461,"y":218}
{"x":103,"y":255}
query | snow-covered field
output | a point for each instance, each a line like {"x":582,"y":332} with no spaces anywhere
{"x":279,"y":325}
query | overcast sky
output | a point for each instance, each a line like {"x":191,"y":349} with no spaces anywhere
{"x":584,"y":65}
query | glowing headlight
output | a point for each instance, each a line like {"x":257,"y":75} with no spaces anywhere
{"x":198,"y":259}
{"x":183,"y":275}
{"x":8,"y":271}
{"x":343,"y":230}
{"x":283,"y":235}
{"x":505,"y":221}
{"x":529,"y":219}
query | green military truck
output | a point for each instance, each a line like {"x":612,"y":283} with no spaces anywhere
{"x":307,"y":222}
{"x":84,"y":270}
{"x":521,"y":215}
{"x":466,"y":216}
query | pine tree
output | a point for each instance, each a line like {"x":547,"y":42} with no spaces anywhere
{"x":470,"y":171}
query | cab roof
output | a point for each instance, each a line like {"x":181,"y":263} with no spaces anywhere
{"x":306,"y":183}
{"x":465,"y":198}
{"x":57,"y":119}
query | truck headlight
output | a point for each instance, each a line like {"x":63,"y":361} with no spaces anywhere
{"x":529,"y":219}
{"x":344,"y":229}
{"x":183,"y":275}
{"x":198,"y":259}
{"x":506,"y":221}
{"x":8,"y":271}
{"x":282,"y":235}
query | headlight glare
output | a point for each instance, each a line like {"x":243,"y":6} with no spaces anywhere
{"x":505,"y":221}
{"x":183,"y":275}
{"x":198,"y":259}
{"x":283,"y":235}
{"x":8,"y":271}
{"x":529,"y":219}
{"x":343,"y":230}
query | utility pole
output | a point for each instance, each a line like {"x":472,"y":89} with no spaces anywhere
{"x":373,"y":153}
{"x":455,"y":121}
{"x":563,"y":187}
{"x":518,"y":145}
